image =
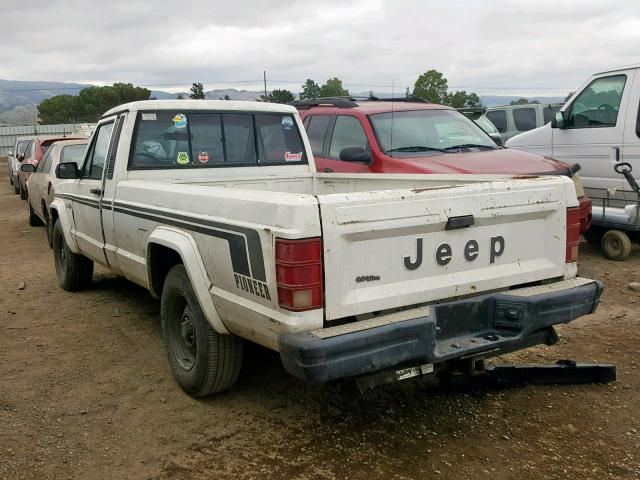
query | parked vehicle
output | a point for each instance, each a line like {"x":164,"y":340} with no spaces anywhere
{"x":14,"y":158}
{"x":598,"y":126}
{"x":37,"y":146}
{"x":412,"y":136}
{"x":512,"y":120}
{"x":42,"y":181}
{"x":215,"y":207}
{"x":477,"y":114}
{"x":616,"y":218}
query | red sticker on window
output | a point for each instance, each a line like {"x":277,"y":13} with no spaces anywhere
{"x":203,"y":157}
{"x":292,"y":157}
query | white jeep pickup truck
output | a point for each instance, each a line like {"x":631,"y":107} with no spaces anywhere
{"x":214,"y":207}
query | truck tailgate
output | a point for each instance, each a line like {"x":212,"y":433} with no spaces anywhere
{"x":394,"y":248}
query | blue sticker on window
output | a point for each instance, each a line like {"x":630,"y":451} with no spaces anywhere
{"x":287,"y":123}
{"x":180,"y":120}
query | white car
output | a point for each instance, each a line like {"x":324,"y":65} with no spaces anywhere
{"x":597,"y":127}
{"x":215,"y":207}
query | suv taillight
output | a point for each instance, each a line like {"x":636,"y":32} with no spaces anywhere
{"x":299,"y":273}
{"x":573,"y":234}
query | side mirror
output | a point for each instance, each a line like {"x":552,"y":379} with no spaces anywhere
{"x":27,"y":168}
{"x":558,"y":120}
{"x":496,"y":137}
{"x":355,"y":154}
{"x":19,"y":157}
{"x":67,"y":170}
{"x":10,"y":153}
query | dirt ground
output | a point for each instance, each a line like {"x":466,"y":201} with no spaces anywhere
{"x":86,"y":392}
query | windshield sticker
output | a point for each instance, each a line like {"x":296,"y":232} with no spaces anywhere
{"x":149,"y":116}
{"x":182,"y":158}
{"x":292,"y":157}
{"x":180,"y":120}
{"x":287,"y":123}
{"x":203,"y":157}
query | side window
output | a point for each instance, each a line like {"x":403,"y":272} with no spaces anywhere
{"x":348,"y":132}
{"x":316,"y":126}
{"x":548,"y":112}
{"x":524,"y":119}
{"x":28,"y":152}
{"x":598,"y":104}
{"x":73,"y":153}
{"x":499,"y":119}
{"x":22,"y":147}
{"x":45,"y":162}
{"x":278,"y":139}
{"x":98,"y":154}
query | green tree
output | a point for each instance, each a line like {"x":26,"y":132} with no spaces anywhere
{"x":569,"y":95}
{"x":197,"y":91}
{"x":333,"y":88}
{"x":431,"y":86}
{"x":310,"y":90}
{"x":520,"y":101}
{"x":180,"y":97}
{"x":278,"y":96}
{"x":89,"y":104}
{"x":462,"y":99}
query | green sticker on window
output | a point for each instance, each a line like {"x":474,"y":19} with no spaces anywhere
{"x":182,"y":158}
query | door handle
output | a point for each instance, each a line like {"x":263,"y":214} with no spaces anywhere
{"x":617,"y":153}
{"x":96,"y":191}
{"x":48,"y":188}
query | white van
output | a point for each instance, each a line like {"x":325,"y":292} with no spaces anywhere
{"x":512,"y":120}
{"x":597,"y":127}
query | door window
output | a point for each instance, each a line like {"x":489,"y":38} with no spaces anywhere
{"x":22,"y":147}
{"x":45,"y":163}
{"x":317,"y":130}
{"x":548,"y":112}
{"x":347,"y":132}
{"x":524,"y":119}
{"x":28,"y":153}
{"x":73,"y":153}
{"x":598,"y":104}
{"x":98,"y":154}
{"x":499,"y":119}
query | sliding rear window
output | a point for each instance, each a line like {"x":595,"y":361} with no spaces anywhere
{"x":200,"y":139}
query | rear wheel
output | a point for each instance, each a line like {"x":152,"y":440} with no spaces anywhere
{"x":616,"y":245}
{"x":16,"y":188}
{"x":594,"y":235}
{"x":202,"y":361}
{"x":74,"y":271}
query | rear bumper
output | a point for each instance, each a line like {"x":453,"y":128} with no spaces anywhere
{"x":484,"y":326}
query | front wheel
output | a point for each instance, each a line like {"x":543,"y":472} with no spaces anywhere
{"x":202,"y":361}
{"x":34,"y":220}
{"x":74,"y":271}
{"x":616,"y":245}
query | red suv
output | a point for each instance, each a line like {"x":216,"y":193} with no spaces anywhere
{"x":35,"y":150}
{"x":414,"y":136}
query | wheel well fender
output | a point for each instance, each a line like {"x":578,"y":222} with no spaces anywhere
{"x":60,"y":212}
{"x":167,"y":247}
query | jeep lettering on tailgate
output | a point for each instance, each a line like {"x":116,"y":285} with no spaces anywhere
{"x":444,"y":252}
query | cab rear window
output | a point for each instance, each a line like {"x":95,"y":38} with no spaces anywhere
{"x":175,"y":139}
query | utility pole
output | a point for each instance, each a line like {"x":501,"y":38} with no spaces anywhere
{"x":264,"y":76}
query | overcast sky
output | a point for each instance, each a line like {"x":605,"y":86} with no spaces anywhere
{"x":519,"y":47}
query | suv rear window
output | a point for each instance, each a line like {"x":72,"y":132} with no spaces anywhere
{"x":172,"y":139}
{"x":499,"y":119}
{"x":524,"y":119}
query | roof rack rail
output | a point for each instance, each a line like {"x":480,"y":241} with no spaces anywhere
{"x":397,"y":99}
{"x":340,"y":102}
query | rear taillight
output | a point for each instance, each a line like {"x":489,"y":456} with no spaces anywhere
{"x":573,"y":234}
{"x":299,"y":273}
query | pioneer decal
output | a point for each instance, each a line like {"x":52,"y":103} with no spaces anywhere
{"x":252,"y":286}
{"x":444,"y":252}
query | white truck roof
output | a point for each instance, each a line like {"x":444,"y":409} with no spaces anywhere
{"x":202,"y":105}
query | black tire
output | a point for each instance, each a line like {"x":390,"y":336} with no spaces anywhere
{"x":10,"y":178}
{"x":16,"y":188}
{"x":594,"y":235}
{"x":49,"y":228}
{"x":34,"y":220}
{"x":74,"y":271}
{"x":203,"y":362}
{"x":23,"y":192}
{"x":616,"y":245}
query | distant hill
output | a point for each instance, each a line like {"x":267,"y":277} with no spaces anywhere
{"x":20,"y":115}
{"x":15,"y":93}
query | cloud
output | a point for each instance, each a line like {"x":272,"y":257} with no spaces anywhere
{"x":518,"y":46}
